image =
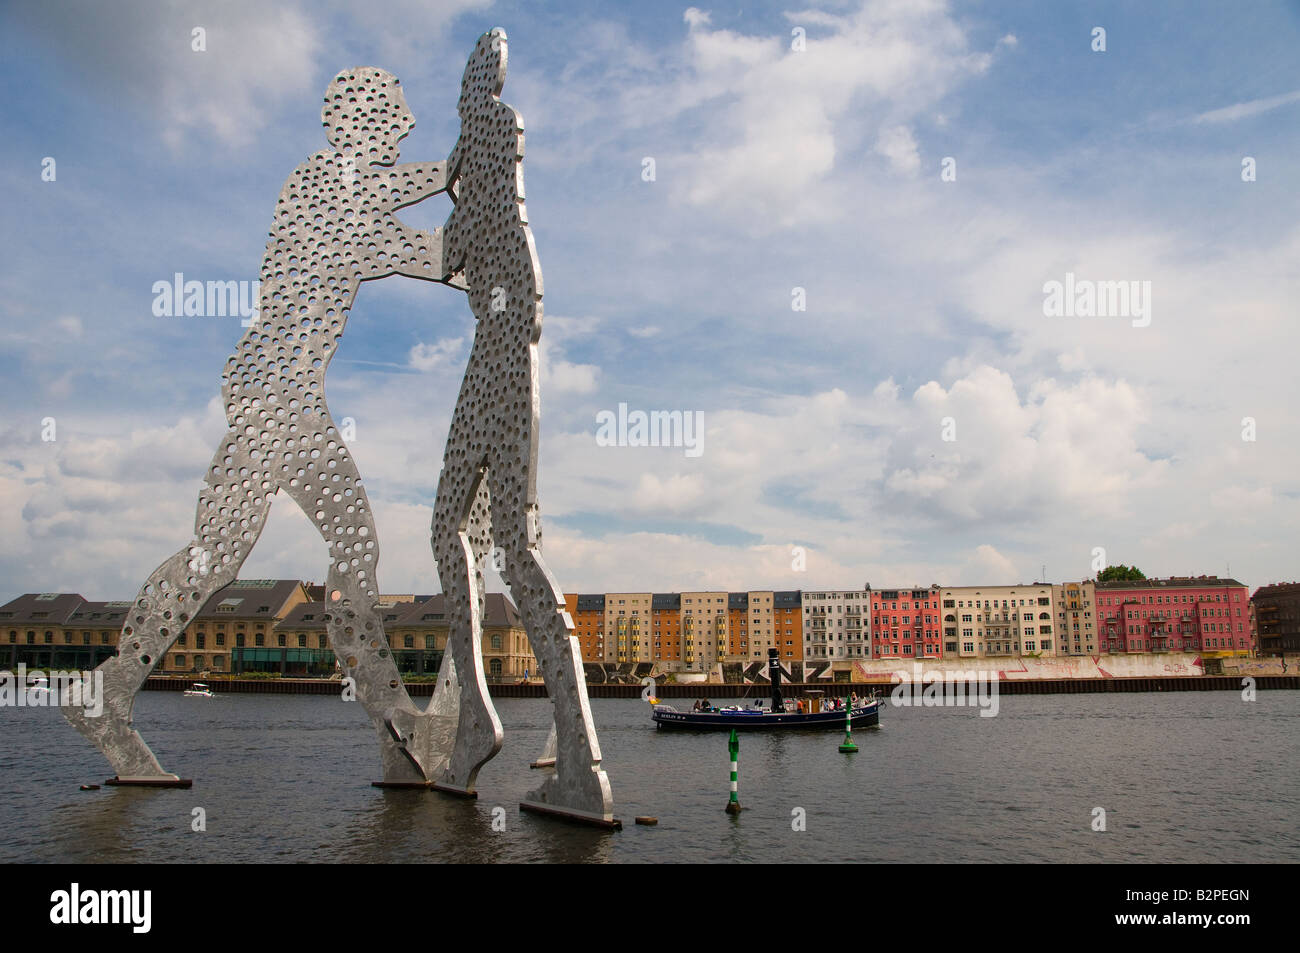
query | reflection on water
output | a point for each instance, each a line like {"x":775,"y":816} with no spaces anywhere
{"x":1182,"y":777}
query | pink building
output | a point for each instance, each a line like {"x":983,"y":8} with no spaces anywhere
{"x":905,"y":623}
{"x":1202,"y":614}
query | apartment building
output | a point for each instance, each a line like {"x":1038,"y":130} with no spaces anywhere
{"x":666,"y":619}
{"x":588,"y":614}
{"x":787,"y":617}
{"x":905,"y":623}
{"x":1203,"y":614}
{"x":705,"y":631}
{"x":999,"y":621}
{"x":1076,"y":611}
{"x":837,"y":624}
{"x":1277,"y":618}
{"x":627,"y":627}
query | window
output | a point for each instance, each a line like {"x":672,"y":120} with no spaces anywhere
{"x":496,"y":643}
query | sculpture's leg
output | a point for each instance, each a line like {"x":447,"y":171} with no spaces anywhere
{"x":330,"y":493}
{"x":231,"y":514}
{"x":461,"y":540}
{"x":579,"y":787}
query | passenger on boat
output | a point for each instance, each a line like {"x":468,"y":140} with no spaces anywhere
{"x":697,"y":705}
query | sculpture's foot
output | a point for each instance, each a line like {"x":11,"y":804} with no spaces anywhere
{"x":478,"y":739}
{"x":105,"y":721}
{"x":577,"y":795}
{"x":422,"y":741}
{"x":547,"y":759}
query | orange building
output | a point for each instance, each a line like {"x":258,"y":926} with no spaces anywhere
{"x":787,"y":615}
{"x":588,"y":614}
{"x":666,"y":631}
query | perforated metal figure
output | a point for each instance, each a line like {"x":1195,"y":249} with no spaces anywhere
{"x":488,"y":488}
{"x":334,"y":228}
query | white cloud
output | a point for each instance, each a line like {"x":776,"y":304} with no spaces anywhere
{"x":428,"y":357}
{"x":1251,"y":108}
{"x":789,"y":116}
{"x":898,"y":146}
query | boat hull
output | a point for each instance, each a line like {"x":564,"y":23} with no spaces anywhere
{"x":865,"y":717}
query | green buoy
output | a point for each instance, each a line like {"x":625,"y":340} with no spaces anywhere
{"x":733,"y":747}
{"x":847,"y":746}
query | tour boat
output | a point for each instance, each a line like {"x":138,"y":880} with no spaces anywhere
{"x":38,"y":685}
{"x":814,"y":712}
{"x":199,"y":690}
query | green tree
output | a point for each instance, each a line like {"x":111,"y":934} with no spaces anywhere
{"x":1120,"y":573}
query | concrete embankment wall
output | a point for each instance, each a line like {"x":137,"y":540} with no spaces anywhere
{"x":1170,"y":665}
{"x":1198,"y":683}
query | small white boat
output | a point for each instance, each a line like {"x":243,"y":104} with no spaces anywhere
{"x":199,"y":690}
{"x":39,"y":685}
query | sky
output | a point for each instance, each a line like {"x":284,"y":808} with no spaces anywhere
{"x":829,"y":231}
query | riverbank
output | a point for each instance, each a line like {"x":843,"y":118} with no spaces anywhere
{"x":535,"y":689}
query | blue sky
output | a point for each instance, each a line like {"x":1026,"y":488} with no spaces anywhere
{"x":775,"y":169}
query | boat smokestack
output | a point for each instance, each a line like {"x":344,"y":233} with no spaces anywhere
{"x":774,"y":673}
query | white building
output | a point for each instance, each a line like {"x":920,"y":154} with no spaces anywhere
{"x":984,"y":621}
{"x":837,"y":624}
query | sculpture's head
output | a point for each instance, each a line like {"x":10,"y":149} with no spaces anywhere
{"x":366,"y":114}
{"x":485,"y":73}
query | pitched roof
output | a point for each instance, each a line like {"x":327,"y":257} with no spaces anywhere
{"x":100,"y":614}
{"x":1173,"y":582}
{"x":43,"y":608}
{"x":249,"y":599}
{"x":306,"y":615}
{"x":498,"y":610}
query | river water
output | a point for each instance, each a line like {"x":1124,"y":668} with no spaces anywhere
{"x":1181,"y":777}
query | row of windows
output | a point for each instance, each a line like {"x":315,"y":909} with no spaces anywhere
{"x":1166,"y":599}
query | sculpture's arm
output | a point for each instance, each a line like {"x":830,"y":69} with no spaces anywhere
{"x":422,"y":255}
{"x":454,"y":159}
{"x":416,"y":181}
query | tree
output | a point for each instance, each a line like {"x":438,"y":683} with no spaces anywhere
{"x":1120,"y":573}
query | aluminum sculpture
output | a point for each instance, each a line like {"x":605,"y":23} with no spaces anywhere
{"x":335,"y":228}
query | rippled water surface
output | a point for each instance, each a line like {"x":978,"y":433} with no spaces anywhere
{"x":1181,"y":776}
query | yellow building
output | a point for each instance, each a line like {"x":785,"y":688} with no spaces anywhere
{"x":628,"y":627}
{"x":1076,"y":617}
{"x":235,"y":631}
